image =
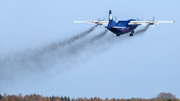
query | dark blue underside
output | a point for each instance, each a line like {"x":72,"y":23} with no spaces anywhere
{"x":124,"y":30}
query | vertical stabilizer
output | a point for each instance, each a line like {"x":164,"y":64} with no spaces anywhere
{"x":111,"y":21}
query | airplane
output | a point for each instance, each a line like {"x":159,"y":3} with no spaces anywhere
{"x":122,"y":26}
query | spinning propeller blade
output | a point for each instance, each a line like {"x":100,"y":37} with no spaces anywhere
{"x":152,"y":26}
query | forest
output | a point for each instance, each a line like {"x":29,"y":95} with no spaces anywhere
{"x":36,"y":97}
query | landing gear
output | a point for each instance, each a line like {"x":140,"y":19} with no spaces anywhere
{"x":131,"y":34}
{"x":117,"y":34}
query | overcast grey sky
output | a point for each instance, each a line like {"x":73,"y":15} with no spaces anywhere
{"x":119,"y":67}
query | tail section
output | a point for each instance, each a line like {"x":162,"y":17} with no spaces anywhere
{"x":111,"y":21}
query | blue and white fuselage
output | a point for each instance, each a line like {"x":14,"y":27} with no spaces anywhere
{"x":120,"y":27}
{"x":123,"y":27}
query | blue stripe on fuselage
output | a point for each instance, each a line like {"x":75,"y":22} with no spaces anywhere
{"x":127,"y":29}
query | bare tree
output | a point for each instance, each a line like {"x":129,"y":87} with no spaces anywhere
{"x":166,"y":95}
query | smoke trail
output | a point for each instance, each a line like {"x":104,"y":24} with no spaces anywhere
{"x":36,"y":61}
{"x":72,"y":39}
{"x":37,"y":56}
{"x":100,"y":43}
{"x":86,"y":45}
{"x":142,"y":30}
{"x":106,"y":42}
{"x":100,"y":35}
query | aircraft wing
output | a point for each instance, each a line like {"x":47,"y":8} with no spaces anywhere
{"x":148,"y":22}
{"x":95,"y":22}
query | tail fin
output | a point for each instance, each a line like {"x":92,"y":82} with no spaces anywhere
{"x":111,"y":21}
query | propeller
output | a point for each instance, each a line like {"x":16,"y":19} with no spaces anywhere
{"x":153,"y":18}
{"x":139,"y":19}
{"x":98,"y":24}
{"x":115,"y":18}
{"x":152,"y":25}
{"x":101,"y":19}
{"x":144,"y":24}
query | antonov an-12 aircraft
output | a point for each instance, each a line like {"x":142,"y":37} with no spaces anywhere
{"x":122,"y":26}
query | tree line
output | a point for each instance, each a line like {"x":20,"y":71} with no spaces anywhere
{"x":37,"y":97}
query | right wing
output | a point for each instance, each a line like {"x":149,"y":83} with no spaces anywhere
{"x":148,"y":22}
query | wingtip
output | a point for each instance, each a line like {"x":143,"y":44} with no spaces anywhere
{"x":173,"y":21}
{"x":110,"y":10}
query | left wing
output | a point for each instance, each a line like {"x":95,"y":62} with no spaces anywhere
{"x":95,"y":22}
{"x":148,"y":22}
{"x":99,"y":23}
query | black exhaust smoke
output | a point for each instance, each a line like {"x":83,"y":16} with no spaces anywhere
{"x":71,"y":40}
{"x":100,"y":35}
{"x":141,"y":31}
{"x":40,"y":61}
